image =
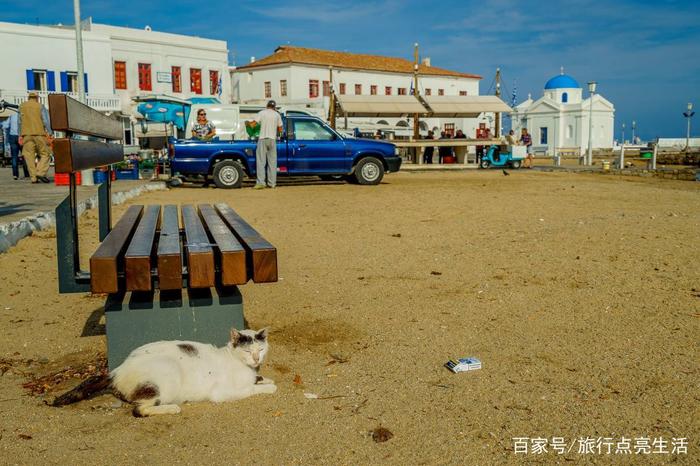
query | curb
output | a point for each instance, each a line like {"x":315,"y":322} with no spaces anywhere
{"x":11,"y":233}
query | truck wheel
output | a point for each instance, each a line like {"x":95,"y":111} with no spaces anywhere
{"x":516,"y":163}
{"x":484,"y":163}
{"x":228,"y":174}
{"x":369,"y":171}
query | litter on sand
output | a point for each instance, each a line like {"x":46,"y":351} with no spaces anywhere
{"x":463,"y":364}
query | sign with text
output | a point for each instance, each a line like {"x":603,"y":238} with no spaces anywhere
{"x":163,"y":77}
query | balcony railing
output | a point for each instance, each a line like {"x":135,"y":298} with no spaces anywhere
{"x":101,"y":102}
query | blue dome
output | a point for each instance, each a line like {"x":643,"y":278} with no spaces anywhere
{"x":562,"y":81}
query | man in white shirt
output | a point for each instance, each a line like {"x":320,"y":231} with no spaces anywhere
{"x":266,"y":153}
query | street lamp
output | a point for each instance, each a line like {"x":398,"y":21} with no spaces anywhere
{"x":591,"y":90}
{"x":623,"y":133}
{"x":688,"y":115}
{"x":634,"y":126}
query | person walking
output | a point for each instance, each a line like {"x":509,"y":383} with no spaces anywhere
{"x":526,"y":140}
{"x":34,"y":132}
{"x":11,"y":128}
{"x":270,"y":123}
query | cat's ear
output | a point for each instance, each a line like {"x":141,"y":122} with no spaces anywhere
{"x":235,"y":336}
{"x":261,"y":335}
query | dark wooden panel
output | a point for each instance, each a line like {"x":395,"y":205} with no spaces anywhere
{"x":105,"y":263}
{"x":73,"y":154}
{"x":137,"y":260}
{"x":169,"y":251}
{"x":68,"y":114}
{"x":262,"y":256}
{"x":231,"y":254}
{"x":200,"y":255}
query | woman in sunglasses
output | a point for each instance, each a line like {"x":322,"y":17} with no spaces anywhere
{"x":203,"y":129}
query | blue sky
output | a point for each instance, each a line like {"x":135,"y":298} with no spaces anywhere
{"x":644,"y":55}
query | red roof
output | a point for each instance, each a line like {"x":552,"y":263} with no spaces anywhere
{"x":287,"y":54}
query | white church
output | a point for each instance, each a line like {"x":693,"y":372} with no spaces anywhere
{"x":560,"y":118}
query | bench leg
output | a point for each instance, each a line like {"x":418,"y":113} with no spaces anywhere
{"x":205,"y":315}
{"x":70,"y":278}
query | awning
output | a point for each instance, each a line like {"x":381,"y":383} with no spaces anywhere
{"x":464,"y":106}
{"x":379,"y":105}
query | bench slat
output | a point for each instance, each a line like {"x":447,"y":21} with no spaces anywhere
{"x":262,"y":255}
{"x":169,"y":251}
{"x":71,"y":115}
{"x":137,"y":260}
{"x":72,"y":155}
{"x":231,"y":254}
{"x":105,"y":262}
{"x":200,"y":255}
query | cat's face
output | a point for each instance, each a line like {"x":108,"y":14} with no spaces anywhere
{"x":250,"y":346}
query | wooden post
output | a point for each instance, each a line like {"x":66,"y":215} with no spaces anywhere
{"x":331,"y":110}
{"x":497,"y":131}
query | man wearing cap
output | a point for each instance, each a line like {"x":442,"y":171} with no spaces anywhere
{"x":34,"y":131}
{"x":266,"y":153}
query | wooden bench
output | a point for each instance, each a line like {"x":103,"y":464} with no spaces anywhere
{"x":168,"y":272}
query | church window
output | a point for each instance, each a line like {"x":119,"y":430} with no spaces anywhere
{"x":543,"y":135}
{"x":565,"y":97}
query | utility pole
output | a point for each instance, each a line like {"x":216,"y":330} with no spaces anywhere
{"x":331,"y":110}
{"x":497,"y":133}
{"x":688,"y":115}
{"x":416,"y":123}
{"x":591,"y":89}
{"x":634,"y":126}
{"x":79,"y":50}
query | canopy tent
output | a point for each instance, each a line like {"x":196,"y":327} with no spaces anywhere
{"x":164,"y":109}
{"x":425,"y":106}
{"x":463,"y":106}
{"x":379,"y":105}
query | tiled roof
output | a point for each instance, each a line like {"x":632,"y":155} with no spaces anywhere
{"x":358,"y":61}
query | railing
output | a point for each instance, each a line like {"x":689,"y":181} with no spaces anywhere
{"x":101,"y":102}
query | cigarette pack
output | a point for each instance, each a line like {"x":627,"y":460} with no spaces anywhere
{"x":463,"y":364}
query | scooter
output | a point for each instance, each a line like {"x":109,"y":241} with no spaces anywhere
{"x":504,"y":156}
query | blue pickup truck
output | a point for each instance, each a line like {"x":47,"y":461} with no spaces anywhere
{"x":308,"y":147}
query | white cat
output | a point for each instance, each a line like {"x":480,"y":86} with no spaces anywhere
{"x":159,"y":376}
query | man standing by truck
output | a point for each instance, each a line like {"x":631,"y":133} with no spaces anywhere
{"x":266,"y":152}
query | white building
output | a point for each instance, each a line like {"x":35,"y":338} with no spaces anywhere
{"x":302,"y":77}
{"x":120,"y":64}
{"x":560,"y":118}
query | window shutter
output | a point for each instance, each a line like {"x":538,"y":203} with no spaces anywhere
{"x":30,"y":80}
{"x":51,"y":81}
{"x":86,"y":82}
{"x":64,"y":81}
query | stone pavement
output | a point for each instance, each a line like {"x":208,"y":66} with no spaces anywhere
{"x":25,"y":207}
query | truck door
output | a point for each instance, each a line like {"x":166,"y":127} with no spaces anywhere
{"x":314,"y":148}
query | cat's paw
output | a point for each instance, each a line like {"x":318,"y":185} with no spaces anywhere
{"x":264,"y":381}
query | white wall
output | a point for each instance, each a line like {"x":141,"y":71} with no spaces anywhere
{"x":162,"y":51}
{"x":26,"y":47}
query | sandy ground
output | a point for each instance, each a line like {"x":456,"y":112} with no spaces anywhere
{"x":580,"y":294}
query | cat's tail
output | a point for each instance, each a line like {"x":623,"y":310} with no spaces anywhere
{"x":88,"y":388}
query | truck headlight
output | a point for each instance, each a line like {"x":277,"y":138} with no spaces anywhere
{"x":396,"y":150}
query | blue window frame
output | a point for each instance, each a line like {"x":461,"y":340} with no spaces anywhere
{"x":543,"y":135}
{"x":565,"y":97}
